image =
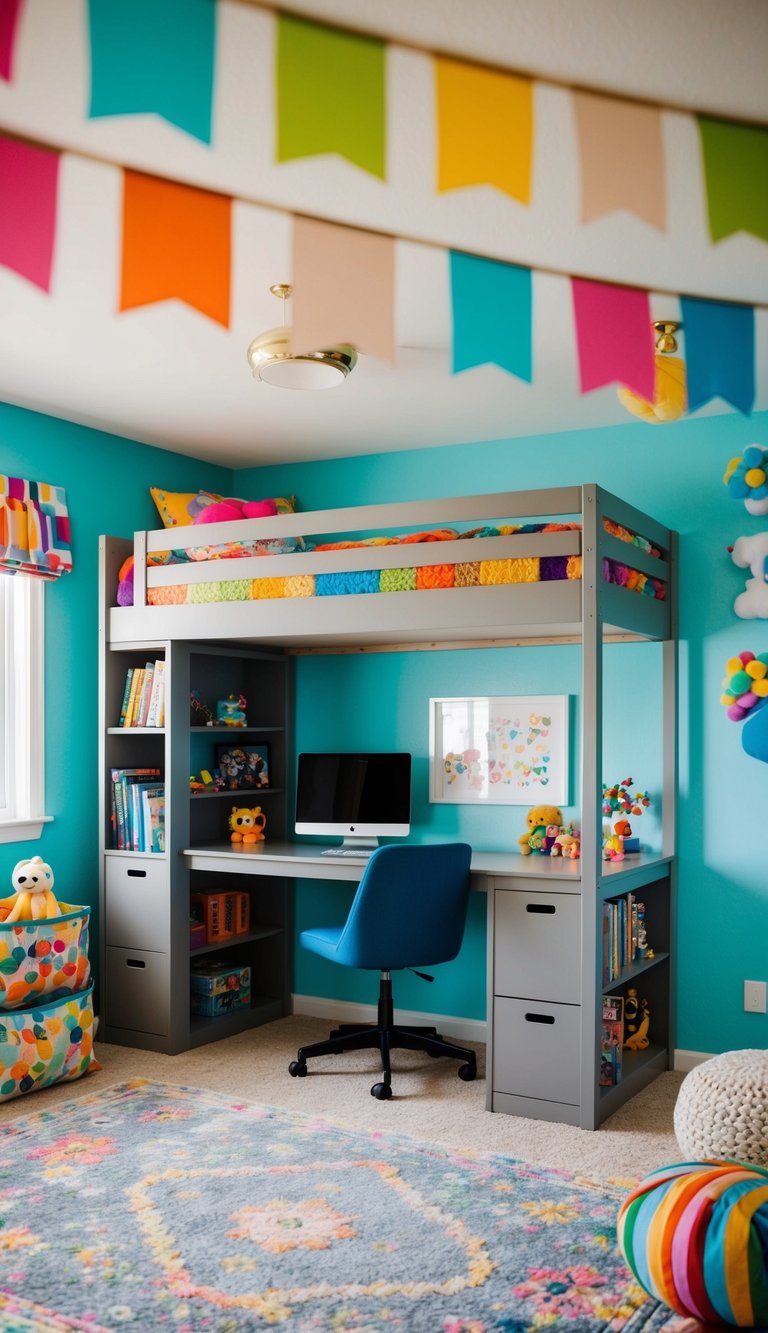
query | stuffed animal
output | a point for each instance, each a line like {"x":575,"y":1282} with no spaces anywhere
{"x":752,"y":553}
{"x":538,"y":820}
{"x":32,"y":884}
{"x":227,"y":510}
{"x":247,"y":825}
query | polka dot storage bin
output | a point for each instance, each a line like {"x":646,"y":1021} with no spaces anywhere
{"x":696,"y":1237}
{"x":48,"y":957}
{"x":46,"y":1044}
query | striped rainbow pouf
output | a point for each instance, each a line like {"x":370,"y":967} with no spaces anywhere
{"x":696,"y":1237}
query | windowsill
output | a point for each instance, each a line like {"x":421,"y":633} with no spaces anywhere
{"x":23,"y":830}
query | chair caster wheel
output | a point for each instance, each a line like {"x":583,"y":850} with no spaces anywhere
{"x":297,"y":1069}
{"x":381,"y":1091}
{"x":467,"y":1073}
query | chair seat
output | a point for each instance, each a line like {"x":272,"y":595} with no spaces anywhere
{"x":322,"y":939}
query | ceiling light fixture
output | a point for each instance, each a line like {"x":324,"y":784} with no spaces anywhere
{"x":669,"y":391}
{"x":271,"y":359}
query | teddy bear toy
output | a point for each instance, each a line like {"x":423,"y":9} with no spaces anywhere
{"x":539,"y":820}
{"x":247,"y":825}
{"x":32,"y":884}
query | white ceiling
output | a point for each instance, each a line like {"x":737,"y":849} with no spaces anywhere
{"x":169,"y":376}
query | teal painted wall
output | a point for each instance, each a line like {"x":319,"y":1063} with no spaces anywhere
{"x":382,"y":699}
{"x":106,"y":479}
{"x":676,"y":474}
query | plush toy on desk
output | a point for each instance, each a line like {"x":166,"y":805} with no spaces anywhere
{"x":247,"y":825}
{"x":32,"y":884}
{"x":538,"y":820}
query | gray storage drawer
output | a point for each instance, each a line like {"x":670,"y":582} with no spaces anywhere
{"x":537,"y":945}
{"x":536,"y":1049}
{"x":137,"y":903}
{"x":136,"y":990}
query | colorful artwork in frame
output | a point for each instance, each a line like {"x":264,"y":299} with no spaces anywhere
{"x":507,"y":750}
{"x":243,"y":767}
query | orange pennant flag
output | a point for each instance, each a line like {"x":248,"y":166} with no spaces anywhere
{"x":344,"y":289}
{"x":484,"y":128}
{"x":176,"y":245}
{"x":622,"y":158}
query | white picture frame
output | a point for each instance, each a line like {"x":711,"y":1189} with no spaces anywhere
{"x":499,"y":750}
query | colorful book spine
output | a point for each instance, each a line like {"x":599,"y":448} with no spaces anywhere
{"x":135,"y":687}
{"x":156,"y":713}
{"x":126,"y":696}
{"x":611,"y":1040}
{"x":142,"y":709}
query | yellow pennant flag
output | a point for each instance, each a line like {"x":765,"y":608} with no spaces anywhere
{"x":484,"y":128}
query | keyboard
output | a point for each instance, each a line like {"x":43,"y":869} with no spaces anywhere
{"x":347,"y":851}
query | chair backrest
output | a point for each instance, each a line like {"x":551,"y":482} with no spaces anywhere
{"x":409,"y":909}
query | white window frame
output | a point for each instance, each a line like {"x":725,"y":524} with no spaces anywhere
{"x":22,"y":724}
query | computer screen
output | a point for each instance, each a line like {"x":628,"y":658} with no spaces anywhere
{"x":359,"y":797}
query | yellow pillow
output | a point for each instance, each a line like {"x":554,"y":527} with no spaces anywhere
{"x":177,"y":509}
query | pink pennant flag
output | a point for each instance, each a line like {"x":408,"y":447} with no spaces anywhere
{"x":343,"y":289}
{"x":9,"y":18}
{"x":614,"y":336}
{"x":28,"y":195}
{"x":622,"y":158}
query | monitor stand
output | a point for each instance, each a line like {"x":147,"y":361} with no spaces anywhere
{"x":361,"y":844}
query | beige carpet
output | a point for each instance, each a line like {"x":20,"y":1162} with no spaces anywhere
{"x":430,"y":1102}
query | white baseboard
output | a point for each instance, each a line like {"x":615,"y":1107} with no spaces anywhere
{"x":685,"y":1061}
{"x":342,"y":1011}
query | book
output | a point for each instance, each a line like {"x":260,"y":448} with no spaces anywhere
{"x":142,"y":708}
{"x":122,"y":781}
{"x":611,"y":1040}
{"x":153,"y":818}
{"x":126,"y":696}
{"x":135,"y":687}
{"x":156,"y":711}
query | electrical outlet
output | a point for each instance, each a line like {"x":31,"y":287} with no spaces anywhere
{"x":754,"y":997}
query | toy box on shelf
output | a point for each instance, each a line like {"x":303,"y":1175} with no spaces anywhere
{"x":223,"y":913}
{"x":46,"y":1002}
{"x":219,"y":988}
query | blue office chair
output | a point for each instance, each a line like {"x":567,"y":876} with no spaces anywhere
{"x":409,"y":910}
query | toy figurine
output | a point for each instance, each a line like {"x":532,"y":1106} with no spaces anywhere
{"x":32,"y":884}
{"x":538,"y":820}
{"x":247,"y":825}
{"x":231,"y":712}
{"x":200,"y":713}
{"x":637,"y":1019}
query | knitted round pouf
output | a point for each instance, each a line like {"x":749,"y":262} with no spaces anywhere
{"x":722,"y":1108}
{"x":696,"y":1238}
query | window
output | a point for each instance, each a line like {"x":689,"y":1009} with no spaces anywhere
{"x":21,"y":708}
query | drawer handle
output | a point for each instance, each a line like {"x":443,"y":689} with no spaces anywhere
{"x":139,"y":962}
{"x":548,"y":909}
{"x":137,"y":874}
{"x":539,"y":1018}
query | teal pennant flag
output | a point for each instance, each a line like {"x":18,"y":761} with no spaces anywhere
{"x":719,"y":352}
{"x":491,"y":305}
{"x":154,"y":57}
{"x":331,"y":94}
{"x":736,"y":174}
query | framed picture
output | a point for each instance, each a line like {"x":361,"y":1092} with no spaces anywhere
{"x":243,"y":767}
{"x":508,"y":750}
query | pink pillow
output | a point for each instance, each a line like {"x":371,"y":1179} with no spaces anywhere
{"x":227,"y":510}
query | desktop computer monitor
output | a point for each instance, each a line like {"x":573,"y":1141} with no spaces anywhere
{"x":358,"y":797}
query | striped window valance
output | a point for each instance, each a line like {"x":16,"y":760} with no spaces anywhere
{"x":34,"y":528}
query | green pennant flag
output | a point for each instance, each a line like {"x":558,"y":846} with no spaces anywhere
{"x":330,"y":94}
{"x":736,"y":173}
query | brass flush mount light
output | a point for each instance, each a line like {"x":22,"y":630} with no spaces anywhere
{"x":271,"y":359}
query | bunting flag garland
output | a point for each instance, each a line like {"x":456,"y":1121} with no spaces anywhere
{"x":29,"y":179}
{"x":613,"y":336}
{"x":720,"y":352}
{"x":331,"y":95}
{"x":34,"y":529}
{"x":736,"y":175}
{"x":150,"y":57}
{"x":622,"y":158}
{"x":176,"y":244}
{"x":9,"y":18}
{"x":484,"y":128}
{"x":344,"y":289}
{"x":492,"y":314}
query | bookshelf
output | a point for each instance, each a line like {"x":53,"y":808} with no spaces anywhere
{"x":147,"y":950}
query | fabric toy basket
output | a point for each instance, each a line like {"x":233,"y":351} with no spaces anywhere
{"x":46,"y":1044}
{"x":44,"y":958}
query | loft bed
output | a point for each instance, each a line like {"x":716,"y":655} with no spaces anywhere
{"x":532,"y":566}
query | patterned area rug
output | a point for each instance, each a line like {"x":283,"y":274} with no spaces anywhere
{"x":147,"y":1206}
